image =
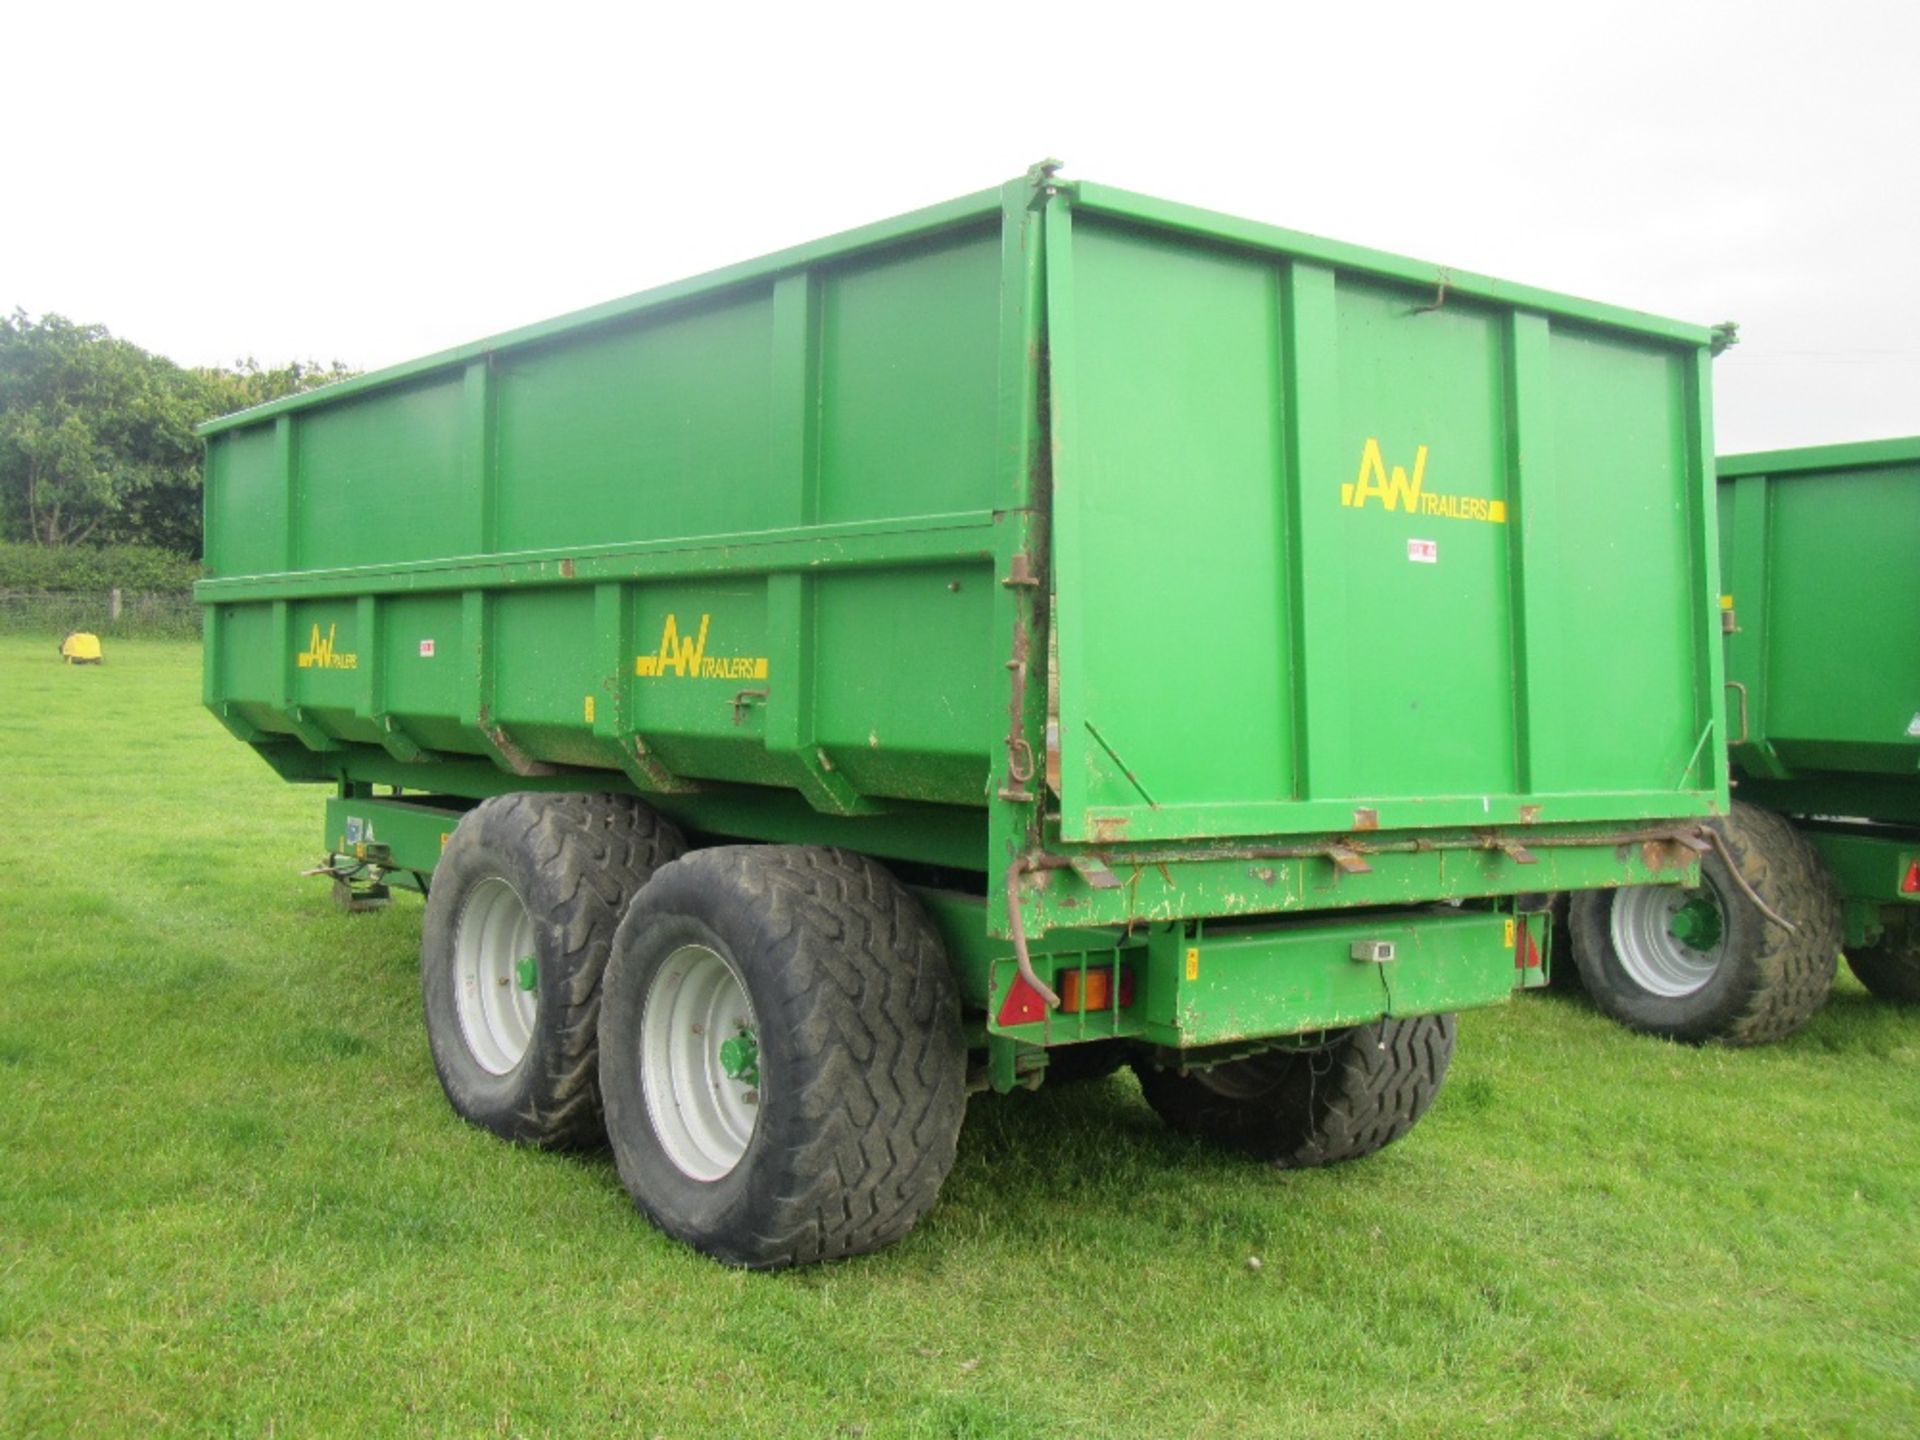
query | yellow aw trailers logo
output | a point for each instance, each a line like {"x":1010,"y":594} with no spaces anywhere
{"x":1395,"y":490}
{"x":320,"y":654}
{"x":687,"y":656}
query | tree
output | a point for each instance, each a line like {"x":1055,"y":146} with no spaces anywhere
{"x":96,"y":434}
{"x":168,"y":512}
{"x":85,"y":421}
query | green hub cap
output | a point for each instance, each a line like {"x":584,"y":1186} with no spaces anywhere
{"x":1697,"y":924}
{"x":526,"y":973}
{"x":740,"y":1058}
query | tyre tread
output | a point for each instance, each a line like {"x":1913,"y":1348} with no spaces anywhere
{"x":1367,"y":1090}
{"x":879,"y":1070}
{"x":594,"y":852}
{"x":1890,"y":967}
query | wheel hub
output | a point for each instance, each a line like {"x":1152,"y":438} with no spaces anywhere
{"x":495,"y":976}
{"x":1696,"y":924}
{"x":1669,"y":940}
{"x":700,"y":1062}
{"x":740,"y":1058}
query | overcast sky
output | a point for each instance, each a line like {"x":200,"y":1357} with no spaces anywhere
{"x":373,"y":182}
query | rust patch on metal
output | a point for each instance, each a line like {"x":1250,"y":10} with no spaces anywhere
{"x":1093,"y":870}
{"x":1529,"y":814}
{"x":1348,"y":860}
{"x":1671,"y":852}
{"x":510,"y":754}
{"x":1366,"y":818}
{"x":1109,"y":828}
{"x":649,"y":768}
{"x":566,"y":568}
{"x":1515,"y":851}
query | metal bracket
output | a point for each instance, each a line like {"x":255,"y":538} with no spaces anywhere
{"x":1349,"y":860}
{"x":1094,"y":871}
{"x":1020,"y":572}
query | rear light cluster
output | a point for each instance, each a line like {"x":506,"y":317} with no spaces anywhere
{"x":1082,"y":992}
{"x":1910,"y":882}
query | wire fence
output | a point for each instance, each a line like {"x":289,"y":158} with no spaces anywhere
{"x":170,"y":615}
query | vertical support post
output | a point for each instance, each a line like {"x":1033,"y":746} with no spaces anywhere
{"x":213,"y":657}
{"x":476,"y":660}
{"x":613,"y":633}
{"x":795,"y":401}
{"x":367,"y":617}
{"x":479,"y":452}
{"x":788,"y":729}
{"x":1315,"y":459}
{"x":1749,"y":581}
{"x":615,"y":723}
{"x":789,"y":705}
{"x":283,"y":690}
{"x":1710,"y":699}
{"x":1035,"y":233}
{"x":287,"y":460}
{"x":1533,"y":536}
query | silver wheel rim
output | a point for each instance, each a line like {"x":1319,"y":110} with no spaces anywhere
{"x":493,"y":959}
{"x":703,"y":1105}
{"x":1658,"y":961}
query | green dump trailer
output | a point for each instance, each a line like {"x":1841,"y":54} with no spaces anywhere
{"x":1820,"y":606}
{"x":1052,"y":630}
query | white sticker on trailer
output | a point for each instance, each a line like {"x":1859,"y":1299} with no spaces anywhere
{"x":1427,"y":552}
{"x":1913,"y":726}
{"x":426,"y":649}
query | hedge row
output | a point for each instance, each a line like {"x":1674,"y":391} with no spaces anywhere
{"x":66,"y":569}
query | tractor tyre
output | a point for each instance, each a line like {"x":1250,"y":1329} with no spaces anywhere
{"x":1703,"y":964}
{"x":520,"y":916}
{"x":1362,"y":1090}
{"x":781,"y":1055}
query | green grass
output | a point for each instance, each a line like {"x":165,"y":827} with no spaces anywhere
{"x":233,"y":1200}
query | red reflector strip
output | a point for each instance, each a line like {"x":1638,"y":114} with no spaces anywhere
{"x":1910,"y":882}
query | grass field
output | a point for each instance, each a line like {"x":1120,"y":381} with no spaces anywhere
{"x":233,"y":1200}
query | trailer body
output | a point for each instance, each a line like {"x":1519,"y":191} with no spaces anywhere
{"x":1821,"y":594}
{"x":1135,"y":579}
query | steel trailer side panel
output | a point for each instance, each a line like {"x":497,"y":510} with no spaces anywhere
{"x":706,"y":541}
{"x":1336,"y":553}
{"x":1821,"y":577}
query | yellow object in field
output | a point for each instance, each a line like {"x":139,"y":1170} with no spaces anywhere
{"x":82,"y":647}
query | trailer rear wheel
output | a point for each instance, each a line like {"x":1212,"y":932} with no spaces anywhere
{"x":1702,"y":964}
{"x":522,"y":910}
{"x":1890,"y":967}
{"x":781,"y":1055}
{"x":1361,"y":1091}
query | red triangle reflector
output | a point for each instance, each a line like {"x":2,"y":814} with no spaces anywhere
{"x":1023,"y":1005}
